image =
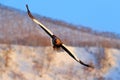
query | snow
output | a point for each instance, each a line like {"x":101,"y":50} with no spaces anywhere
{"x":38,"y":62}
{"x":43,"y":63}
{"x":114,"y":72}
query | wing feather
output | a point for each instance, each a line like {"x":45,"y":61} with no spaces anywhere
{"x":39,"y":23}
{"x":74,"y":56}
{"x":69,"y":52}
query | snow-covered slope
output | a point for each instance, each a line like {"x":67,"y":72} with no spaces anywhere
{"x":43,"y":63}
{"x":17,"y":28}
{"x":26,"y":52}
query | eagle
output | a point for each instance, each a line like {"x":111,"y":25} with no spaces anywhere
{"x":56,"y":41}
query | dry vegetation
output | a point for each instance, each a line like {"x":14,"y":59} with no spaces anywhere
{"x":43,"y":61}
{"x":17,"y":28}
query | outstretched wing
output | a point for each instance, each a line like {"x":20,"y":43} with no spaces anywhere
{"x":39,"y":23}
{"x":74,"y":56}
{"x":68,"y":51}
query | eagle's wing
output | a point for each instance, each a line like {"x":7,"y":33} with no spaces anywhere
{"x":39,"y":23}
{"x":74,"y":56}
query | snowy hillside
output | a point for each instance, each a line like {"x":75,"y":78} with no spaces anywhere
{"x":26,"y":52}
{"x":43,"y":63}
{"x":17,"y":28}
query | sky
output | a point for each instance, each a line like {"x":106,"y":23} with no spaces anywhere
{"x":100,"y":15}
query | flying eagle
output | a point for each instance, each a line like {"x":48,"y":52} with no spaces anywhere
{"x":57,"y":43}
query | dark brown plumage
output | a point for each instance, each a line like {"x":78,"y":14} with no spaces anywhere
{"x":57,"y":43}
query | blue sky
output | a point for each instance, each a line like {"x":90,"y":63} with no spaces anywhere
{"x":100,"y":15}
